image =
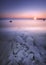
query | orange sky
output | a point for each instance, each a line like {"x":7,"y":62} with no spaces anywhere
{"x":23,"y":15}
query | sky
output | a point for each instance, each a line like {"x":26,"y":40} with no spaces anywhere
{"x":22,"y":8}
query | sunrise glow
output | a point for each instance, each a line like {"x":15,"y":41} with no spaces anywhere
{"x":35,"y":18}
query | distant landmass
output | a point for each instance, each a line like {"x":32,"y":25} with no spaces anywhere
{"x":23,"y":18}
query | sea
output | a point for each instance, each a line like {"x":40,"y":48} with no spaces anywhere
{"x":23,"y":42}
{"x":22,"y":24}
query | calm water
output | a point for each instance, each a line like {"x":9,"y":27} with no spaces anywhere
{"x":14,"y":37}
{"x":19,"y":24}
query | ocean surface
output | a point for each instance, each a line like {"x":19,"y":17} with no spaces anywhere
{"x":22,"y":42}
{"x":22,"y":24}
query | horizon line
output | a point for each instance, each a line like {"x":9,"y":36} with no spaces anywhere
{"x":32,"y":18}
